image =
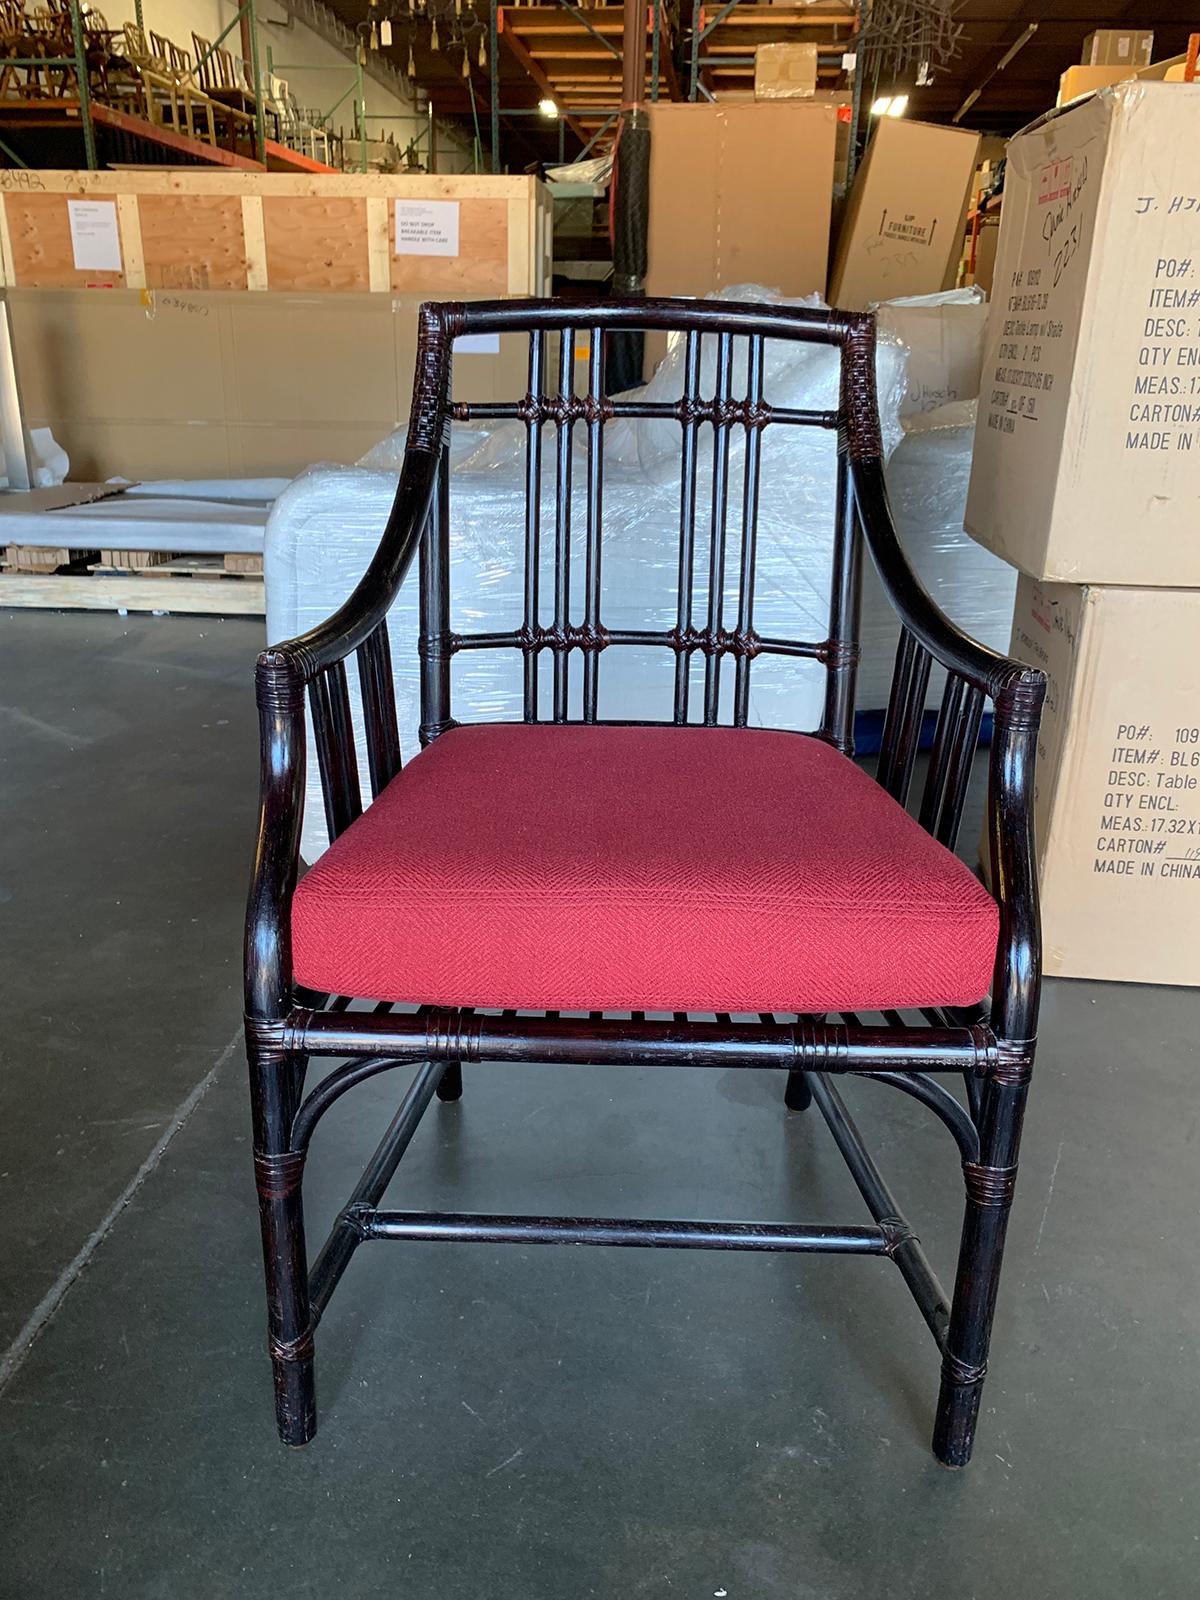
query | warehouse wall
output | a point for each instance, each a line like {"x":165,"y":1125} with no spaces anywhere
{"x":291,"y":41}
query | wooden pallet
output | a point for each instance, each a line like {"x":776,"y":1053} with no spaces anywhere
{"x":140,"y":592}
{"x":47,"y":578}
{"x":162,"y":564}
{"x":44,"y":559}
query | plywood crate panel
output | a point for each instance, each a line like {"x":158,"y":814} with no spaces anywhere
{"x":325,"y":233}
{"x":163,"y":384}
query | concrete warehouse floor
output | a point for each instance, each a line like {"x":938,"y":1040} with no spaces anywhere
{"x":542,"y":1424}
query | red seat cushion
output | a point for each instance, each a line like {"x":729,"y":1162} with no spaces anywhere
{"x":625,"y":868}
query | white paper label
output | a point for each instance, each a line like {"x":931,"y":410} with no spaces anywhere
{"x":95,"y":242}
{"x":426,"y":227}
{"x":477,"y":344}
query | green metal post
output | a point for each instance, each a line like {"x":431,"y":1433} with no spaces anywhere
{"x":137,"y":13}
{"x":85,"y":93}
{"x":260,"y":110}
{"x":201,"y":61}
{"x":477,"y":151}
{"x":494,"y":76}
{"x":361,"y":108}
{"x":7,"y":150}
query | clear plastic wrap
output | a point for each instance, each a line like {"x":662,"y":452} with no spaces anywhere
{"x":324,"y":527}
{"x":927,"y":484}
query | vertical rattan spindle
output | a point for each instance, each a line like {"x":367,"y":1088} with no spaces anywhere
{"x":533,"y":517}
{"x":379,"y":708}
{"x":905,"y":712}
{"x":845,"y":604}
{"x":963,"y":745}
{"x":595,"y":505}
{"x":949,"y":717}
{"x":753,"y":473}
{"x":716,"y":548}
{"x":562,"y":523}
{"x":434,"y":642}
{"x":329,"y":702}
{"x":687,"y":522}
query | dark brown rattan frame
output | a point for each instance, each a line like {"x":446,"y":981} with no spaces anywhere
{"x":992,"y":1047}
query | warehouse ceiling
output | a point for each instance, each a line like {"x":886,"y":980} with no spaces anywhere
{"x":1008,"y":97}
{"x":1028,"y":85}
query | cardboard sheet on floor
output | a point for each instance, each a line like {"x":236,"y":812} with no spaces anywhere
{"x":124,"y":522}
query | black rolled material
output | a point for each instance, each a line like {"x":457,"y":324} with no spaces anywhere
{"x":631,"y":214}
{"x":990,"y":1045}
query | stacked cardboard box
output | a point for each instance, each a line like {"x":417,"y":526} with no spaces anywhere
{"x":903,"y":227}
{"x":1087,"y":478}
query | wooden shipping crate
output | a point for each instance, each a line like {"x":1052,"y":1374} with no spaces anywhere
{"x":170,"y":384}
{"x":340,"y":233}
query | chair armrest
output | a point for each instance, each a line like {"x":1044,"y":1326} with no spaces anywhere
{"x":300,"y":660}
{"x":1017,"y":692}
{"x":983,"y":668}
{"x":283,"y":674}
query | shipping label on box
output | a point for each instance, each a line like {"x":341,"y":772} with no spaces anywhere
{"x":1117,"y":797}
{"x":1087,"y":455}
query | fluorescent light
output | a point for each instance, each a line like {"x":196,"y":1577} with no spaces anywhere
{"x":889,"y":105}
{"x":548,"y":108}
{"x":898,"y":106}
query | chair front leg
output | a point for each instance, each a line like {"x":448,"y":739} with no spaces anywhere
{"x":989,"y":1183}
{"x":278,"y":1174}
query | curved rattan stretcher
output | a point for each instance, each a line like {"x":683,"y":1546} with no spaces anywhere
{"x":990,"y":1046}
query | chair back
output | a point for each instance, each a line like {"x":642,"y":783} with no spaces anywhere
{"x":721,"y":414}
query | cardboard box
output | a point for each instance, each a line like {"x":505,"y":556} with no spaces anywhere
{"x":1118,"y":47}
{"x":945,"y":345}
{"x":785,"y":71}
{"x":740,"y":194}
{"x":985,"y":255}
{"x":1077,"y":81}
{"x":1087,"y":453}
{"x":1117,"y":810}
{"x":1170,"y":69}
{"x":903,"y":228}
{"x":145,"y":384}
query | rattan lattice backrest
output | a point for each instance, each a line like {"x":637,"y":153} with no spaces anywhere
{"x":720,"y":415}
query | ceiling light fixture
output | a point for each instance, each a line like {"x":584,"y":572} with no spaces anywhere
{"x":548,"y":108}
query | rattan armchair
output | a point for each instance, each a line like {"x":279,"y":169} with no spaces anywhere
{"x":737,"y":896}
